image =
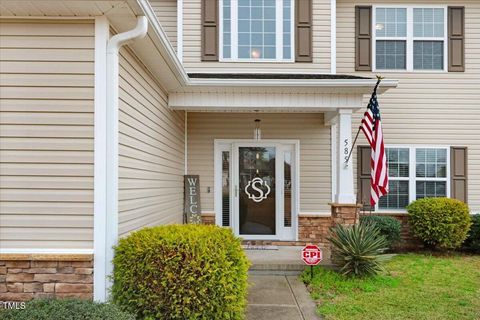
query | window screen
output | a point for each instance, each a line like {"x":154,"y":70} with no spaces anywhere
{"x":428,"y":55}
{"x":227,"y":29}
{"x":391,"y":54}
{"x":287,"y":29}
{"x":391,"y":22}
{"x":428,"y":22}
{"x":428,"y":38}
{"x":398,"y":160}
{"x":431,"y":172}
{"x":391,"y":32}
{"x":256,"y":29}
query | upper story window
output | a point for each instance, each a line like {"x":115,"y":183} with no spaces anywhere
{"x":410,"y":38}
{"x":415,"y":173}
{"x":256,"y":30}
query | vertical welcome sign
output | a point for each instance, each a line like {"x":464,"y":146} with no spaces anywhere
{"x":192,"y":199}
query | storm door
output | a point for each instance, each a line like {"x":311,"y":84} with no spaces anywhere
{"x":257,"y":188}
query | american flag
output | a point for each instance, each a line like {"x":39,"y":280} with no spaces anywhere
{"x":372,"y":128}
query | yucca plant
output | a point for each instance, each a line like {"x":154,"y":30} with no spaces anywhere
{"x":360,"y":248}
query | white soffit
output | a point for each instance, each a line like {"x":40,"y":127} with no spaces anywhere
{"x":265,"y":101}
{"x":52,"y":8}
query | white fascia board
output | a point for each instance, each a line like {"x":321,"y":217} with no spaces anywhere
{"x":317,"y":83}
{"x":164,"y":46}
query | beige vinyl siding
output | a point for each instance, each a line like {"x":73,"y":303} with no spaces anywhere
{"x":166,"y":11}
{"x":46,"y":134}
{"x":315,"y":180}
{"x":192,"y":45}
{"x":434,"y":108}
{"x":151,"y":147}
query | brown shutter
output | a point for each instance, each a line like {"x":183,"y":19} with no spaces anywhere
{"x":209,"y":30}
{"x":363,"y":38}
{"x":363,"y":176}
{"x":456,"y":39}
{"x":303,"y":30}
{"x":459,"y":173}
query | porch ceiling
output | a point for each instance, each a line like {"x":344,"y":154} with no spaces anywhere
{"x":264,"y":99}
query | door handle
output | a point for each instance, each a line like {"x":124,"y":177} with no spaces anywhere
{"x":236,"y":191}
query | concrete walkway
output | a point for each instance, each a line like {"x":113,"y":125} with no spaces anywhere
{"x":279,"y":297}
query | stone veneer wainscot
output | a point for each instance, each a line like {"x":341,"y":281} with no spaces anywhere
{"x":27,"y":276}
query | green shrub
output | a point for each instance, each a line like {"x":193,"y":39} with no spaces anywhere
{"x":181,"y":272}
{"x":389,"y":227}
{"x":67,"y":309}
{"x":439,"y":222}
{"x":472,"y":243}
{"x":360,"y":248}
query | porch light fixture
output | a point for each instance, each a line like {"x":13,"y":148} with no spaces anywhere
{"x":257,"y":132}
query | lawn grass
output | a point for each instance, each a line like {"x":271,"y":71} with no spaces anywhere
{"x":415,"y":286}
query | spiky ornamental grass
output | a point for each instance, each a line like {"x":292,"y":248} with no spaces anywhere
{"x":360,"y":248}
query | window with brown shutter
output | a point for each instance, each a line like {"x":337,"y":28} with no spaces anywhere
{"x":257,"y":30}
{"x":420,"y":28}
{"x":456,"y":39}
{"x":459,"y":173}
{"x":363,"y":38}
{"x":209,"y":30}
{"x":303,"y":31}
{"x":415,"y":172}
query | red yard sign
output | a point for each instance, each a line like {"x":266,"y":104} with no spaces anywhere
{"x":311,"y":255}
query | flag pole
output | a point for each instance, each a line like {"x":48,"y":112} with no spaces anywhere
{"x":379,"y":79}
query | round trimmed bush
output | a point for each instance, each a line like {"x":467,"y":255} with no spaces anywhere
{"x":389,"y":227}
{"x":439,"y":222}
{"x":65,"y":309}
{"x":181,"y":272}
{"x":473,"y":240}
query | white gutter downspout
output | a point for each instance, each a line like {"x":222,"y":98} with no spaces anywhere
{"x":113,"y":48}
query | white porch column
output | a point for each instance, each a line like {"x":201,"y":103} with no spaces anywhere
{"x":345,"y":188}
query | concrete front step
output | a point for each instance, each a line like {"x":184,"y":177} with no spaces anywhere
{"x":286,"y":260}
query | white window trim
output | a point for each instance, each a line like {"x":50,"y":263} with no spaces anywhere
{"x":412,"y":178}
{"x":234,"y":34}
{"x":410,"y":38}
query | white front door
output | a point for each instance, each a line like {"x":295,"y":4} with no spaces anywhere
{"x":256,"y":188}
